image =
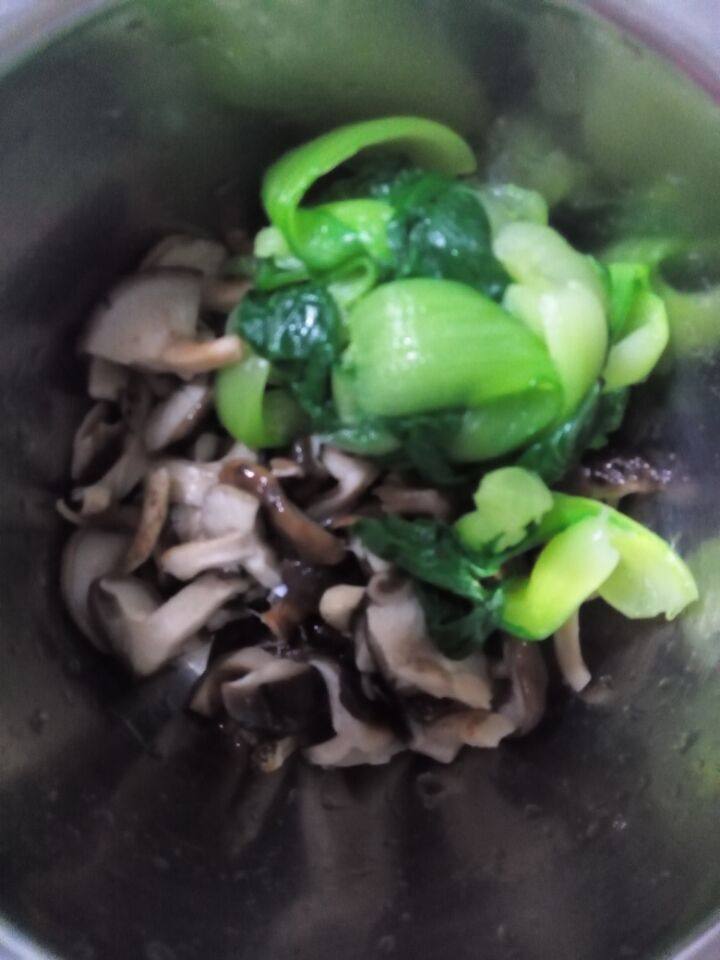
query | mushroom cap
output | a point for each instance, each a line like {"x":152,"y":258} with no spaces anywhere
{"x":175,"y":416}
{"x":407,"y":658}
{"x":143,"y":315}
{"x":120,"y":479}
{"x":338,"y":604}
{"x":443,"y":739}
{"x":223,"y":536}
{"x":183,"y":251}
{"x":152,"y":519}
{"x":353,"y":474}
{"x":89,"y":553}
{"x":226,"y":509}
{"x":528,"y":677}
{"x":146,"y":633}
{"x":355,"y":741}
{"x":97,"y":432}
{"x":413,"y":501}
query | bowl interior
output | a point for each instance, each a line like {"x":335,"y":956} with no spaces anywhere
{"x":126,"y":830}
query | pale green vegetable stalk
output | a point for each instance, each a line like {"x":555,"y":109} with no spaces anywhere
{"x":571,"y":568}
{"x":534,"y":255}
{"x":507,"y":502}
{"x":421,"y":345}
{"x":506,"y":203}
{"x":633,"y":357}
{"x":571,"y":321}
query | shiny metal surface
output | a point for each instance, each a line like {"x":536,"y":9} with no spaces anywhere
{"x":129,"y":831}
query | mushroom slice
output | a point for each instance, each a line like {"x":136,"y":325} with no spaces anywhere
{"x":152,"y":519}
{"x":186,"y":522}
{"x":225,"y":537}
{"x":353,"y":476}
{"x":397,"y":638}
{"x":150,"y":322}
{"x":89,"y":553}
{"x":339,"y":603}
{"x":528,"y":677}
{"x":355,"y":741}
{"x":303,"y":584}
{"x":180,"y":250}
{"x":120,"y":479}
{"x":106,"y":380}
{"x":207,"y":699}
{"x":312,"y":543}
{"x":443,"y":739}
{"x":569,"y":655}
{"x":93,"y":437}
{"x":281,"y":698}
{"x":187,"y":560}
{"x":226,"y":509}
{"x":176,"y":416}
{"x":143,"y":315}
{"x":413,"y":501}
{"x":187,"y":358}
{"x":147,"y":633}
{"x":191,"y":481}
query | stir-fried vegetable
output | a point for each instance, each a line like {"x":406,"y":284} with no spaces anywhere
{"x":447,"y":330}
{"x":587,"y":548}
{"x":399,"y":317}
{"x":437,"y":323}
{"x":326,"y":236}
{"x":590,"y":547}
{"x":422,"y":345}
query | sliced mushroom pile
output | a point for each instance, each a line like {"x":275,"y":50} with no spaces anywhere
{"x":187,"y":542}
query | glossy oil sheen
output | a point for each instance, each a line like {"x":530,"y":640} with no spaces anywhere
{"x":129,"y":831}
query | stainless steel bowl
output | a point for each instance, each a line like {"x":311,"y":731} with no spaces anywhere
{"x":126,"y":831}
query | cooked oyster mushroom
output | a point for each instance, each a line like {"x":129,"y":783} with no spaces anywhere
{"x":89,"y":553}
{"x":398,"y":641}
{"x":177,"y":415}
{"x":147,"y":633}
{"x":353,"y":474}
{"x":225,"y":536}
{"x":98,"y":432}
{"x":526,"y":670}
{"x":356,"y":741}
{"x":312,"y":543}
{"x":442,"y":739}
{"x":339,"y":603}
{"x":569,"y":655}
{"x":120,"y":479}
{"x":179,"y":250}
{"x":152,"y":519}
{"x":150,"y":322}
